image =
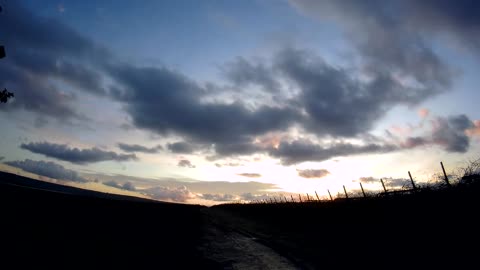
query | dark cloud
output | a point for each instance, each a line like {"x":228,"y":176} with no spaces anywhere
{"x":244,"y":73}
{"x":458,"y":19}
{"x":451,"y":133}
{"x":250,"y":175}
{"x":126,"y":186}
{"x":301,"y":150}
{"x":339,"y":104}
{"x":185,"y":164}
{"x":384,"y":34}
{"x":181,"y":147}
{"x":313,"y":173}
{"x":40,"y":49}
{"x":75,"y":155}
{"x":178,"y":194}
{"x":139,"y":148}
{"x":165,"y":101}
{"x":48,"y":169}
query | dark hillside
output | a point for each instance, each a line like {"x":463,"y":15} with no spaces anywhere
{"x":428,"y":228}
{"x":70,"y":227}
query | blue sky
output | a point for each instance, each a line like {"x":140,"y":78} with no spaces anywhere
{"x":254,"y":97}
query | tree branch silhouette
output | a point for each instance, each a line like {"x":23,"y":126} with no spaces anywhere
{"x":4,"y":95}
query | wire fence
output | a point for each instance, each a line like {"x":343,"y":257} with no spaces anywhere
{"x":411,"y":187}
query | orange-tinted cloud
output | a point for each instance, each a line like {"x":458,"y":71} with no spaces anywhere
{"x":423,"y":112}
{"x":475,"y":130}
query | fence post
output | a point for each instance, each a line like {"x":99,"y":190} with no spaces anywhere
{"x":300,"y":197}
{"x":331,"y":199}
{"x":275,"y":199}
{"x":308,"y":198}
{"x":271,"y":201}
{"x":383,"y":185}
{"x":411,"y":179}
{"x":346,"y":194}
{"x":317,"y":195}
{"x":292,"y":198}
{"x":445,"y":174}
{"x":363,"y":191}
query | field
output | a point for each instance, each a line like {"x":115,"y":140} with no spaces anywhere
{"x":50,"y":225}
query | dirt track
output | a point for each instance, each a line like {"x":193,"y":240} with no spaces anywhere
{"x":234,"y":249}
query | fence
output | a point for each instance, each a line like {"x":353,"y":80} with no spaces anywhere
{"x":348,"y":196}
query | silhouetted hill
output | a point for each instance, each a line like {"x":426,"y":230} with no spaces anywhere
{"x":56,"y":226}
{"x":49,"y":225}
{"x":426,"y":229}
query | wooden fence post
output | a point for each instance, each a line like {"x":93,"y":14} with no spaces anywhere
{"x":411,"y":179}
{"x":300,"y":197}
{"x":445,"y":174}
{"x":331,"y":199}
{"x":383,"y":185}
{"x":308,"y":198}
{"x":346,"y":194}
{"x":292,"y":198}
{"x":363,"y":191}
{"x":317,"y":195}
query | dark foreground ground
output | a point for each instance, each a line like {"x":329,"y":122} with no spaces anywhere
{"x":44,"y":224}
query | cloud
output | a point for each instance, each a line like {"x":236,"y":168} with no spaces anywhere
{"x":313,"y":173}
{"x":41,"y":50}
{"x":185,"y":163}
{"x":450,"y":133}
{"x":453,"y":133}
{"x":75,"y":155}
{"x":181,"y":147}
{"x":475,"y":130}
{"x":179,"y":194}
{"x":388,"y":181}
{"x":227,"y":164}
{"x":48,"y":169}
{"x":182,"y":112}
{"x":423,"y":112}
{"x":139,"y":148}
{"x":2,"y":158}
{"x":250,"y":175}
{"x":372,"y":26}
{"x":303,"y":150}
{"x":218,"y":197}
{"x":413,"y":142}
{"x":243,"y":73}
{"x":126,"y":186}
{"x":337,"y":102}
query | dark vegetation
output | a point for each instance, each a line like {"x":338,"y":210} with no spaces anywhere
{"x":430,"y":227}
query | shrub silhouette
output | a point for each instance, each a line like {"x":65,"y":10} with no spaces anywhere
{"x":5,"y":95}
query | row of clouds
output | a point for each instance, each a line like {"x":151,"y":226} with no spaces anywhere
{"x":452,"y":133}
{"x":326,"y":100}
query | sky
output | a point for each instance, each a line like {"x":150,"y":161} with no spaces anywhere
{"x":217,"y":101}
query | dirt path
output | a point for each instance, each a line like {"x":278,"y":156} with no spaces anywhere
{"x":232,"y":249}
